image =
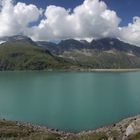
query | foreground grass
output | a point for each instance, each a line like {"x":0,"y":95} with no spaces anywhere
{"x":99,"y":136}
{"x":13,"y":131}
{"x":135,"y":137}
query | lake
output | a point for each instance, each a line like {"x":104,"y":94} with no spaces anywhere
{"x":69,"y":101}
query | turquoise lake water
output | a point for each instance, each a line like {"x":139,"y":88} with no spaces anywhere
{"x":69,"y":101}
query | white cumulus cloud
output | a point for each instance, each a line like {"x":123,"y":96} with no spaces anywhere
{"x":131,"y":33}
{"x":91,"y":19}
{"x":14,"y":19}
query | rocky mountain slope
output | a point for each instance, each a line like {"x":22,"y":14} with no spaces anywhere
{"x":102,"y":53}
{"x":100,"y":45}
{"x":21,"y":53}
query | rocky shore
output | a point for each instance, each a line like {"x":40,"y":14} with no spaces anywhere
{"x":127,"y":129}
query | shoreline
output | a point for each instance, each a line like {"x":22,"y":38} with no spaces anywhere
{"x":109,"y":70}
{"x":76,"y":70}
{"x":122,"y":130}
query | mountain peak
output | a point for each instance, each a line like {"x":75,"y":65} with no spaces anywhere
{"x":16,"y":38}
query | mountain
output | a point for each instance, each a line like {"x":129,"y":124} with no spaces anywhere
{"x":64,"y":45}
{"x":99,"y":45}
{"x":16,"y":38}
{"x":106,"y":44}
{"x":101,"y":53}
{"x":21,"y":53}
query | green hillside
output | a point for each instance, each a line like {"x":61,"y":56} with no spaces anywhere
{"x":25,"y":56}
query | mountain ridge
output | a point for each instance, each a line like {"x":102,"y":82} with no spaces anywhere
{"x":105,"y":53}
{"x":99,"y":44}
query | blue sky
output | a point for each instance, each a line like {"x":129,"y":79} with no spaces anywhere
{"x":126,"y":9}
{"x":90,"y":19}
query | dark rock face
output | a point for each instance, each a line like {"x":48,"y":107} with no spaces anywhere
{"x":100,"y":45}
{"x":64,"y":45}
{"x":113,"y":43}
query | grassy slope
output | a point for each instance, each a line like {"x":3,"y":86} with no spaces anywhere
{"x":25,"y":56}
{"x":135,"y":137}
{"x":12,"y":131}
